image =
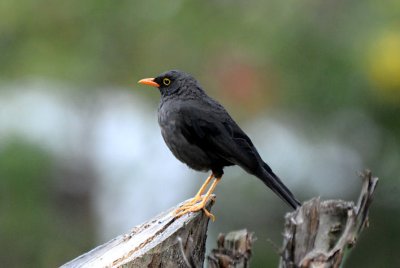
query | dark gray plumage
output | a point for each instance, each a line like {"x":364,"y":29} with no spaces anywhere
{"x":201,"y":133}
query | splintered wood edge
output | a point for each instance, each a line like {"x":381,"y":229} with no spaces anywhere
{"x":357,"y":220}
{"x":141,"y":239}
{"x":234,"y":248}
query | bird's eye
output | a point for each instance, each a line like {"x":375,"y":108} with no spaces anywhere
{"x":166,"y":81}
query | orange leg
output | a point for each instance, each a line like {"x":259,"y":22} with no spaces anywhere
{"x":200,"y":206}
{"x":198,"y":197}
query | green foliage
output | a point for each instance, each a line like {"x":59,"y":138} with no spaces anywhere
{"x":33,"y":231}
{"x":24,"y":203}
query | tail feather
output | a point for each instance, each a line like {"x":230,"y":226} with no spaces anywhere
{"x":277,"y":186}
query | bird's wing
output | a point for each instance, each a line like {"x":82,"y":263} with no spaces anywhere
{"x":215,"y":132}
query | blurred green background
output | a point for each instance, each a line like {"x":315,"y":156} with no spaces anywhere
{"x":316,"y":84}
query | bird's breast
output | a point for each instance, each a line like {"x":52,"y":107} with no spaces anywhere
{"x":171,"y":126}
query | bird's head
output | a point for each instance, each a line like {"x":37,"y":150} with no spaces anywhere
{"x":170,"y":82}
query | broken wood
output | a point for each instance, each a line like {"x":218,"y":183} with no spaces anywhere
{"x":319,"y":233}
{"x":233,"y":250}
{"x":160,"y":242}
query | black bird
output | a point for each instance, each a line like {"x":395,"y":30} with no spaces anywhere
{"x":201,"y":134}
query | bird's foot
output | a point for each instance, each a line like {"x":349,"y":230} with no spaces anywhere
{"x":194,"y":206}
{"x":199,"y":196}
{"x":199,"y":202}
{"x":192,"y":202}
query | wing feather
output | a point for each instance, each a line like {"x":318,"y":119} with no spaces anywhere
{"x":217,"y":134}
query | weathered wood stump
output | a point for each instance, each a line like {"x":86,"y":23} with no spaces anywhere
{"x":319,"y":233}
{"x":233,"y":250}
{"x":160,"y":242}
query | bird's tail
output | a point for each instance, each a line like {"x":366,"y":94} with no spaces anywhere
{"x":277,"y":186}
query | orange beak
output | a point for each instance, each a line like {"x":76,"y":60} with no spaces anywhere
{"x":149,"y":82}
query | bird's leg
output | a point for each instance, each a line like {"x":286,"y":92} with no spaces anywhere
{"x":198,"y":197}
{"x":196,"y":207}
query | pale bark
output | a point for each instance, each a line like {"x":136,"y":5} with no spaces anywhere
{"x":319,"y":233}
{"x":163,"y":241}
{"x":233,"y":250}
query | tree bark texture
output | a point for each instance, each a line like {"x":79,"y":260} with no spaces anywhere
{"x":233,"y":250}
{"x":319,"y":233}
{"x":163,"y":241}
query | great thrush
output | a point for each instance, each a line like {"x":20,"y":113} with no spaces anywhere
{"x":201,"y":134}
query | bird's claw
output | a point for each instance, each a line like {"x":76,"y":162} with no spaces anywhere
{"x":191,"y":202}
{"x":209,"y":214}
{"x":186,"y":208}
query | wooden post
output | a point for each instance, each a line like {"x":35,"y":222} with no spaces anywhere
{"x":320,"y":232}
{"x":233,"y":250}
{"x":160,"y":242}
